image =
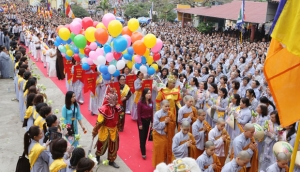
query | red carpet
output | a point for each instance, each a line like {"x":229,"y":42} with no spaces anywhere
{"x":129,"y":150}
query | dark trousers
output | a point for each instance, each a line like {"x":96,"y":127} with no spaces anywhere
{"x":143,"y":134}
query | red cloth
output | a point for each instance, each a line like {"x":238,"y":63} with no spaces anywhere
{"x":144,"y":111}
{"x":111,"y":115}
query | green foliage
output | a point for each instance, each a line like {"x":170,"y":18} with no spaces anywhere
{"x":79,"y":11}
{"x":205,"y":27}
{"x":104,"y":6}
{"x":154,"y":18}
{"x":135,"y":10}
{"x":169,"y":16}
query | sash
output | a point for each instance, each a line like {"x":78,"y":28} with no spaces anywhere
{"x":192,"y":149}
{"x":137,"y":96}
{"x":34,"y":153}
{"x":215,"y":161}
{"x":125,"y":91}
{"x":39,"y":121}
{"x":57,"y":165}
{"x":19,"y":82}
{"x":226,"y":142}
{"x":219,"y":113}
{"x":25,"y":84}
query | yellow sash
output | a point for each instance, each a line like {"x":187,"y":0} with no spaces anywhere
{"x":34,"y":153}
{"x":39,"y":121}
{"x":19,"y":82}
{"x":137,"y":96}
{"x":29,"y":111}
{"x":17,"y":64}
{"x":125,"y":91}
{"x":57,"y":165}
{"x":220,"y":114}
{"x":25,"y":84}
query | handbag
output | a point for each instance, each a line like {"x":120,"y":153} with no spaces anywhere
{"x":71,"y":129}
{"x":38,"y":47}
{"x":23,"y":164}
{"x":150,"y":138}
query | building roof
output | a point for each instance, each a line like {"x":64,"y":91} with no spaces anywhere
{"x":255,"y":12}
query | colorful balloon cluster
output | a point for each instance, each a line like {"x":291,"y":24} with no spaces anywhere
{"x":108,"y":45}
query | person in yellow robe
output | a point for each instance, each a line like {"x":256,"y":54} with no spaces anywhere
{"x":58,"y":150}
{"x":125,"y":95}
{"x":164,"y":123}
{"x":170,"y":93}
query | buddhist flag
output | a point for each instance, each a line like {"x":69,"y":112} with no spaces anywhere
{"x":241,"y":17}
{"x":69,"y":12}
{"x":282,"y":65}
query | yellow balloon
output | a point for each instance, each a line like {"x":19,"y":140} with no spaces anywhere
{"x":155,"y":66}
{"x":64,"y":33}
{"x":90,"y":34}
{"x":149,"y":60}
{"x":69,"y":53}
{"x":115,"y":28}
{"x":133,"y":25}
{"x":129,"y":64}
{"x":81,"y":51}
{"x":125,"y":51}
{"x":67,"y":46}
{"x":100,"y":25}
{"x":150,"y":40}
{"x":147,"y":53}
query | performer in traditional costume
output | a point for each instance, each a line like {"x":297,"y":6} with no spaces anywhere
{"x":107,"y":127}
{"x":170,"y":93}
{"x":200,"y":130}
{"x":164,"y":124}
{"x":219,"y":136}
{"x":184,"y":144}
{"x":208,"y":161}
{"x":125,"y":95}
{"x":239,"y":163}
{"x":246,"y":141}
{"x":187,"y":112}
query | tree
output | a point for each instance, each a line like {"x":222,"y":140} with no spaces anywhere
{"x":104,"y":6}
{"x":164,"y":8}
{"x":137,"y":10}
{"x":79,"y":11}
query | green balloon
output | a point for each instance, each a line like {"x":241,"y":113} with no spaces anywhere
{"x":62,"y":49}
{"x":80,"y":41}
{"x":72,"y":36}
{"x":114,"y":62}
{"x":81,"y":56}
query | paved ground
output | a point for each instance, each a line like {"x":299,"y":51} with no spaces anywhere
{"x":12,"y":133}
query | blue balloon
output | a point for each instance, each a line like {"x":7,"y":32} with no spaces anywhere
{"x":151,"y":71}
{"x":68,"y":57}
{"x":106,"y":76}
{"x":56,"y":43}
{"x":103,"y":69}
{"x":75,"y":50}
{"x":69,"y":41}
{"x":117,"y":73}
{"x":58,"y":40}
{"x":99,"y":45}
{"x":120,"y":44}
{"x":127,"y":57}
{"x":130,"y":50}
{"x":85,"y":66}
{"x":144,"y":61}
{"x":137,"y":66}
{"x":107,"y":48}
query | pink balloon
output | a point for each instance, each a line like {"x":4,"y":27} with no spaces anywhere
{"x":109,"y":57}
{"x":99,"y":51}
{"x":107,"y":18}
{"x":79,"y":20}
{"x":137,"y":59}
{"x":90,"y":61}
{"x":128,"y":40}
{"x":75,"y":27}
{"x":157,"y":46}
{"x":95,"y":23}
{"x":93,"y":55}
{"x":93,"y":46}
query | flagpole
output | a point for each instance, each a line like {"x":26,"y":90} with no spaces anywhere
{"x":241,"y":40}
{"x":292,"y":165}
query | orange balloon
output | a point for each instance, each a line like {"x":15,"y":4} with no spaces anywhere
{"x":136,"y":36}
{"x":101,"y":35}
{"x":126,"y":31}
{"x":139,"y":47}
{"x":58,"y":27}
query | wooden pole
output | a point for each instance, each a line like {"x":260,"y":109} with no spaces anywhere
{"x":292,"y":165}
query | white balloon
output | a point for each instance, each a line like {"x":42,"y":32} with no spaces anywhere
{"x":84,"y":60}
{"x":120,"y":64}
{"x":112,"y":69}
{"x":101,"y":60}
{"x":143,"y":69}
{"x":96,"y":62}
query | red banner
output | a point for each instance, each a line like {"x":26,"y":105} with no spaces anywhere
{"x":78,"y":72}
{"x":93,"y":67}
{"x":130,"y":82}
{"x":90,"y":82}
{"x":67,"y":68}
{"x":147,"y":83}
{"x":116,"y":85}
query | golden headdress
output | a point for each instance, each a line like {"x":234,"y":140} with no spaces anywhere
{"x":171,"y":78}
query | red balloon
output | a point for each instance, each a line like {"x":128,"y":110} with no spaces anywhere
{"x":156,"y":56}
{"x":101,"y":35}
{"x":136,"y":36}
{"x":82,"y":32}
{"x":87,"y":22}
{"x":88,"y":43}
{"x":87,"y":51}
{"x":139,"y":47}
{"x":76,"y":57}
{"x":126,"y":31}
{"x":117,"y":55}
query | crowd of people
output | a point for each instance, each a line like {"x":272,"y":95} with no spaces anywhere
{"x":214,"y":94}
